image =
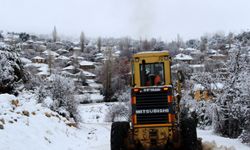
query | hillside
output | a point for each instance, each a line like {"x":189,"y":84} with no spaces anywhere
{"x":27,"y":125}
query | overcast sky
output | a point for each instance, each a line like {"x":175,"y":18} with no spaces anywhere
{"x":135,"y":18}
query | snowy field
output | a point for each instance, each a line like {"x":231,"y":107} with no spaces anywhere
{"x":43,"y":129}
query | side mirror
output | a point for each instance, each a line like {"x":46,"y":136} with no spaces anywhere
{"x":180,"y":76}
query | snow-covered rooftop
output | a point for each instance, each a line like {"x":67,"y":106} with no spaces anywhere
{"x":212,"y":51}
{"x":118,"y":52}
{"x":191,"y":49}
{"x":197,"y":66}
{"x":62,"y":51}
{"x":86,"y":73}
{"x":146,"y":52}
{"x":51,"y":53}
{"x":80,"y":58}
{"x":77,"y":48}
{"x":99,"y":54}
{"x":214,"y":86}
{"x":38,"y":57}
{"x":62,"y":57}
{"x":182,"y":56}
{"x":25,"y":60}
{"x":93,"y":84}
{"x":188,"y":49}
{"x":30,"y":41}
{"x":69,"y":68}
{"x":86,"y":63}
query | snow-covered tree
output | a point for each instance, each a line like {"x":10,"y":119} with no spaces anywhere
{"x":99,"y":44}
{"x":146,"y":45}
{"x":82,"y":41}
{"x":50,"y":61}
{"x":54,"y":34}
{"x":193,"y":43}
{"x":62,"y":93}
{"x":41,"y":94}
{"x":106,"y":76}
{"x":125,"y":45}
{"x":33,"y":81}
{"x":11,"y":70}
{"x":121,"y":69}
{"x":204,"y":43}
{"x":207,"y":80}
{"x":230,"y":40}
{"x":232,"y":107}
{"x":204,"y":110}
{"x":24,"y":37}
{"x":1,"y":36}
{"x":118,"y":112}
{"x":217,"y":41}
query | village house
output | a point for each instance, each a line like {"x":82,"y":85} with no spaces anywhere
{"x":183,"y":58}
{"x":87,"y":74}
{"x":197,"y":68}
{"x":218,"y":56}
{"x":70,"y":69}
{"x":38,"y":59}
{"x":200,"y":93}
{"x":62,"y":51}
{"x":77,"y":50}
{"x":49,"y":52}
{"x":99,"y":57}
{"x":87,"y":65}
{"x":61,"y":61}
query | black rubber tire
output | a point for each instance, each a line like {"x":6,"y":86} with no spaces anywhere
{"x":189,"y":134}
{"x":119,"y":131}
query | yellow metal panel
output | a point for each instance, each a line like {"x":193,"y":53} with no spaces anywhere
{"x":151,"y":54}
{"x":153,"y":125}
{"x":167,"y":72}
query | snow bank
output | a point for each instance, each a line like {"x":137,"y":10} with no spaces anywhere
{"x":40,"y":131}
{"x":214,"y":142}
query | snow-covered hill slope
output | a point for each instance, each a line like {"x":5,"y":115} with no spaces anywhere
{"x":29,"y":126}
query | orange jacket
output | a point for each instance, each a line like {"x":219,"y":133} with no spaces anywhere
{"x":157,"y":80}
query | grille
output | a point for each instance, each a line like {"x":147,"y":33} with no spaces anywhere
{"x":151,"y":101}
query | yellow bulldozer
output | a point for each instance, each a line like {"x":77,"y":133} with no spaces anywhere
{"x":157,"y":120}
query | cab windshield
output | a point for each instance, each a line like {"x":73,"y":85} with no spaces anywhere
{"x":152,"y":74}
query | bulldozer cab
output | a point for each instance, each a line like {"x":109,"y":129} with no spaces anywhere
{"x":151,"y":69}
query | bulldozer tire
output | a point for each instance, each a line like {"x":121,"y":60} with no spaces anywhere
{"x":189,"y":134}
{"x":119,"y":131}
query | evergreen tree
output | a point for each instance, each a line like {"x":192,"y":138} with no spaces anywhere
{"x":54,"y":34}
{"x":82,"y":41}
{"x":233,"y":104}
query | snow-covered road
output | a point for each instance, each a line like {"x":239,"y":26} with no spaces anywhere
{"x":92,"y":111}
